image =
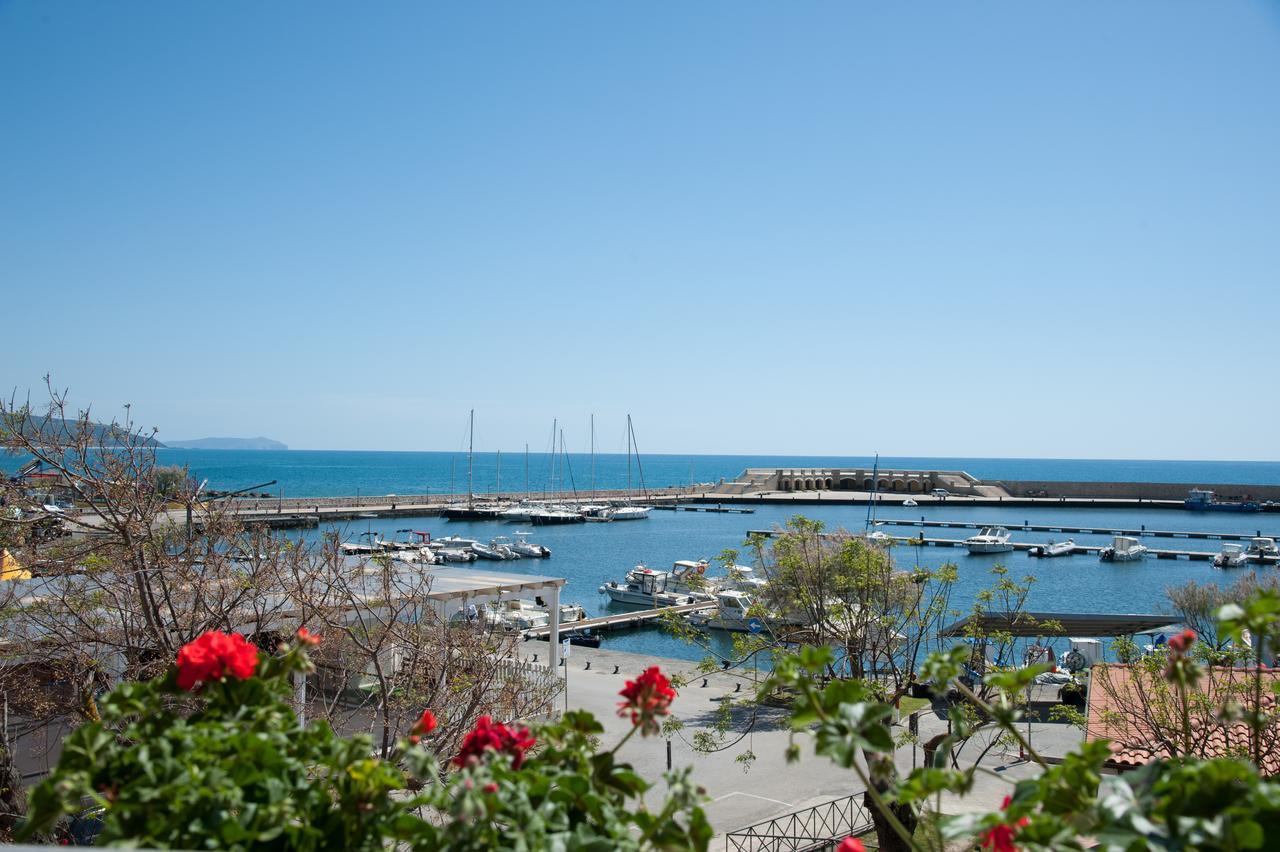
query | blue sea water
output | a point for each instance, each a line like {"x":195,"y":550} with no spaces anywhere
{"x":330,"y":473}
{"x":587,"y":555}
{"x":590,"y":554}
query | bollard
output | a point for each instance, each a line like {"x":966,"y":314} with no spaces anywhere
{"x":737,"y":687}
{"x":668,"y":755}
{"x":587,"y":667}
{"x":562,"y":662}
{"x":704,"y":681}
{"x":615,"y":669}
{"x":535,"y":658}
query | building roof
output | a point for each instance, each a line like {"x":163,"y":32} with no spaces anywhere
{"x":1143,"y":728}
{"x":452,"y":583}
{"x":1032,"y":624}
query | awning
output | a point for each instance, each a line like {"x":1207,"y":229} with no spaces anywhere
{"x":1033,"y":624}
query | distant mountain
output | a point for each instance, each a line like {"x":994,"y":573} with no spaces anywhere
{"x":55,"y":428}
{"x":258,"y":443}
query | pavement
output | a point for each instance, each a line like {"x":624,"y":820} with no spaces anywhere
{"x":745,"y":793}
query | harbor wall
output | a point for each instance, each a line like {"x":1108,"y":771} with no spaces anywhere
{"x":1131,"y":490}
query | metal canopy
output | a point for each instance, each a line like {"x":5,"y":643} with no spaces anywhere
{"x":1031,"y":624}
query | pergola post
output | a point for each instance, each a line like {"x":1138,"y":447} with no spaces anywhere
{"x":554,"y":635}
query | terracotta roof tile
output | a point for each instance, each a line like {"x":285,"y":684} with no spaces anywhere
{"x":1143,"y":730}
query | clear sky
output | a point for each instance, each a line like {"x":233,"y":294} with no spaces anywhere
{"x":976,"y":229}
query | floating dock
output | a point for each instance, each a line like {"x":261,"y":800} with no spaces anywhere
{"x":1060,"y":528}
{"x":621,"y":620}
{"x":1194,"y":555}
{"x":728,"y":510}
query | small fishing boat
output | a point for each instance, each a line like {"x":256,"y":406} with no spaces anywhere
{"x":1203,"y":500}
{"x":1123,"y":549}
{"x":524,"y":547}
{"x":372,"y":544}
{"x":744,"y":579}
{"x":584,"y":638}
{"x":644,"y":587}
{"x":909,"y":503}
{"x":502,"y":545}
{"x":989,"y":540}
{"x":737,"y":612}
{"x":690,"y":577}
{"x":1232,"y":555}
{"x":484,"y":551}
{"x":1054,"y":548}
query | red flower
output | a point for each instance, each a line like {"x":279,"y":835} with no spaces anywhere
{"x":306,"y":637}
{"x":1181,"y":643}
{"x":213,"y":656}
{"x":647,"y":697}
{"x":425,"y":725}
{"x":493,"y":736}
{"x":851,"y":844}
{"x":1000,"y":838}
{"x":491,"y":787}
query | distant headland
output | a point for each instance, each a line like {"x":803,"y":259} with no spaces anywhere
{"x":258,"y":443}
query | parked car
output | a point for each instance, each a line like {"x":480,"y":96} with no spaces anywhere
{"x":940,"y":492}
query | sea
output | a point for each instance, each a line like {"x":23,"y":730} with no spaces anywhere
{"x":588,"y":555}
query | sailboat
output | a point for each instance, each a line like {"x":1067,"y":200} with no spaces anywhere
{"x":873,"y":535}
{"x":471,"y":510}
{"x":627,"y":511}
{"x":558,"y":514}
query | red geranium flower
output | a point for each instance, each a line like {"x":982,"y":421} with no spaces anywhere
{"x":213,"y":656}
{"x":306,"y":637}
{"x":1181,"y":643}
{"x":1000,"y":838}
{"x":493,"y":736}
{"x":426,"y":724}
{"x":851,"y":844}
{"x":647,"y":697}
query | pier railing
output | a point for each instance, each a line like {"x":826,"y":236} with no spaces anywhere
{"x":816,"y":828}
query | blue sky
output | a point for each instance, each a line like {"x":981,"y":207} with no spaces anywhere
{"x":996,"y":229}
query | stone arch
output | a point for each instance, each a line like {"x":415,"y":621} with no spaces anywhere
{"x":848,"y":484}
{"x":828,"y":483}
{"x":899,"y":485}
{"x":914,"y":486}
{"x":882,"y":485}
{"x":867,"y":484}
{"x":808,"y":485}
{"x":786,"y":485}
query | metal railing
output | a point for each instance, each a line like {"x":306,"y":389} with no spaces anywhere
{"x":818,"y":827}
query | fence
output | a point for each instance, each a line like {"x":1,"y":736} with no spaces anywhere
{"x":818,"y":827}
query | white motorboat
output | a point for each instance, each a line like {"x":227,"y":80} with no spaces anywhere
{"x":1262,"y":548}
{"x":690,"y":577}
{"x":524,"y":547}
{"x":484,"y":551}
{"x":736,"y":611}
{"x":644,"y":587}
{"x":909,"y":503}
{"x":880,"y":537}
{"x":989,"y":540}
{"x":454,"y":554}
{"x":502,"y":545}
{"x":518,"y":513}
{"x":1054,"y":548}
{"x":1123,"y":549}
{"x":744,"y":579}
{"x":1232,"y":555}
{"x":630,"y":513}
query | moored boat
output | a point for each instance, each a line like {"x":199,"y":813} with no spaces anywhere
{"x":1054,"y":548}
{"x":989,"y":540}
{"x":1203,"y":500}
{"x":524,"y":547}
{"x":644,"y":587}
{"x":1232,"y":555}
{"x":1123,"y":549}
{"x":1262,"y":549}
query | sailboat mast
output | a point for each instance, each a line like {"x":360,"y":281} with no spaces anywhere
{"x":499,"y":473}
{"x":471,"y":448}
{"x":628,"y":457}
{"x":593,"y":458}
{"x":526,"y":471}
{"x":875,"y":483}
